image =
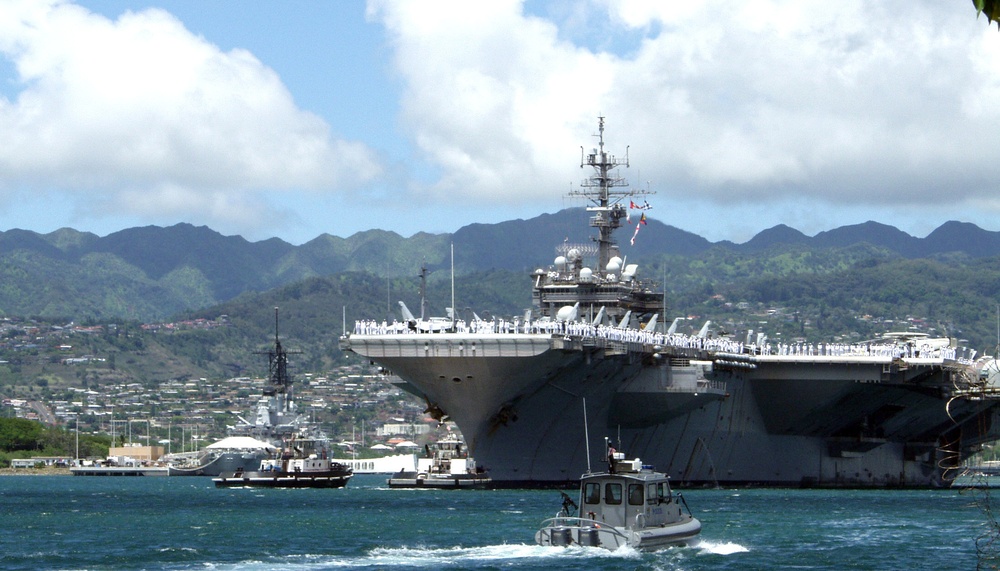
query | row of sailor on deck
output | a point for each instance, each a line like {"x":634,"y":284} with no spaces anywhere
{"x":679,"y":340}
{"x":868,"y":350}
{"x":572,"y":328}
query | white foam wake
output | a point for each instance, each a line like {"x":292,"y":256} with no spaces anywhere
{"x":418,"y":556}
{"x":432,"y":558}
{"x":720,"y":548}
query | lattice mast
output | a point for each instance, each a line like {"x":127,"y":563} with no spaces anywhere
{"x":279,"y":381}
{"x":605,"y":190}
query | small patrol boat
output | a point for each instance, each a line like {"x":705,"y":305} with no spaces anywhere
{"x":629,"y":505}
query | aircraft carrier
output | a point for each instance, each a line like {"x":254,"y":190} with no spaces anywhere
{"x":541,"y":396}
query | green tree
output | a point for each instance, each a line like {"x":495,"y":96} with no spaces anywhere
{"x":990,"y":8}
{"x":20,"y":434}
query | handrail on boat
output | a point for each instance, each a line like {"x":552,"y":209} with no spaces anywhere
{"x":683,"y":501}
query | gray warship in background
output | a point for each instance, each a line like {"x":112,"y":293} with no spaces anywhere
{"x":535,"y":396}
{"x":276,"y":420}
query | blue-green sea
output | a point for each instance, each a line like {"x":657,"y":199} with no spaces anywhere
{"x":180,"y":523}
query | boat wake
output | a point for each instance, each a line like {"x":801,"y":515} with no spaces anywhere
{"x":720,"y":548}
{"x":478,"y":557}
{"x":462,"y":556}
{"x":485,"y":557}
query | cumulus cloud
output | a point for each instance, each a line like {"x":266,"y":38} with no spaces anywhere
{"x":877,"y":103}
{"x":147,"y":119}
{"x":491,"y":96}
{"x":774,"y":106}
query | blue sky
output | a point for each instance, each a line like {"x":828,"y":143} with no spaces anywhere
{"x":295,"y":119}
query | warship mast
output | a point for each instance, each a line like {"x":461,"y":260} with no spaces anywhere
{"x":608,"y":289}
{"x":601,"y":190}
{"x":278,"y":380}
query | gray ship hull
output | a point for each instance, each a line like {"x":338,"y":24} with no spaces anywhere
{"x":702,"y":417}
{"x":220,"y":463}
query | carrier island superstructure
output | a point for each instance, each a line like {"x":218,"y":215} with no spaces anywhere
{"x":591,"y":361}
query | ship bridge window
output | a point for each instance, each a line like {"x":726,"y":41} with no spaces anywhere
{"x":635,"y":494}
{"x":613,"y":494}
{"x":592,"y":493}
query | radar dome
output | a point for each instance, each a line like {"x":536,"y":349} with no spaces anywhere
{"x":561,"y":263}
{"x":574,"y":255}
{"x":991,"y":373}
{"x":614,"y":265}
{"x":586,"y":274}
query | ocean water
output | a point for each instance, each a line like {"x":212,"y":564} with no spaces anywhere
{"x":181,"y":523}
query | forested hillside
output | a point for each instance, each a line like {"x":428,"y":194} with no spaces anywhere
{"x":153,"y":273}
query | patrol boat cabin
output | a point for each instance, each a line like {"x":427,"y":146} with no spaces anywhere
{"x":630,"y":504}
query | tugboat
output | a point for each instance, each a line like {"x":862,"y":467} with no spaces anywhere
{"x":445,"y":466}
{"x":302,"y":464}
{"x":629,"y":505}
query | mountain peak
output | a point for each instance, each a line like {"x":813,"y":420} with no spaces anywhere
{"x":780,"y":234}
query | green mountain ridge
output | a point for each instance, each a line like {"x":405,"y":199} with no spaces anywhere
{"x":152,"y":274}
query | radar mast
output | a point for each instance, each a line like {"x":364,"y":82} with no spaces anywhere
{"x":607,"y":290}
{"x":278,"y":380}
{"x":602,"y":190}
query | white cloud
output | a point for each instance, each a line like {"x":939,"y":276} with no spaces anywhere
{"x":491,"y":95}
{"x":147,"y":119}
{"x":885,"y":103}
{"x":773,"y":106}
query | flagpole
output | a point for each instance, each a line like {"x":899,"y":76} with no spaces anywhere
{"x":586,"y":433}
{"x":453,"y":286}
